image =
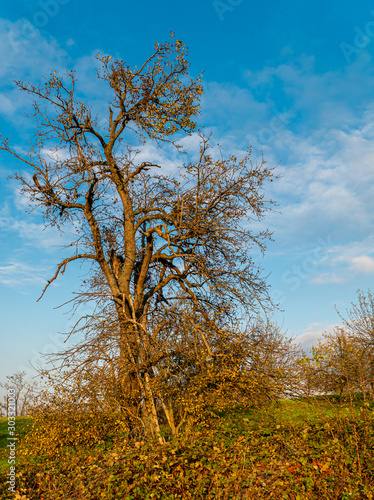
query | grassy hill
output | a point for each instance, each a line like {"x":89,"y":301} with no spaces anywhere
{"x":319,"y":448}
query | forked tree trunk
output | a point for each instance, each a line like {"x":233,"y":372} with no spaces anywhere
{"x":137,"y":402}
{"x":168,"y":410}
{"x":153,"y":424}
{"x":130,"y":390}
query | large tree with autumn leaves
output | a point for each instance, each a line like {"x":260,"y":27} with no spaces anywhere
{"x":170,"y":253}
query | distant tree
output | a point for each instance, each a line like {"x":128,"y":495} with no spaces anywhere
{"x":359,"y":325}
{"x":154,"y":239}
{"x":271,"y":359}
{"x":338,"y":364}
{"x":24,"y":393}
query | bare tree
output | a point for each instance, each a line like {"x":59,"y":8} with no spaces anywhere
{"x":359,"y":320}
{"x":271,"y":360}
{"x":24,"y":393}
{"x":359,"y":326}
{"x":338,"y":364}
{"x":154,"y":240}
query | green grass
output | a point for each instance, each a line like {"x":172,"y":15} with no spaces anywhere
{"x":300,"y":411}
{"x":310,"y":410}
{"x":22,"y":427}
{"x":299,"y":449}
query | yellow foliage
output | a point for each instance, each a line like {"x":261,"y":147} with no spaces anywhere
{"x":60,"y":421}
{"x":51,"y":432}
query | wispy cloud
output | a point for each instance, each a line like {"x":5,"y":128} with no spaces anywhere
{"x":24,"y":58}
{"x":328,"y":279}
{"x":326,"y":146}
{"x":344,"y":263}
{"x":18,"y":274}
{"x":34,"y":234}
{"x":363,"y":264}
{"x":312,"y":334}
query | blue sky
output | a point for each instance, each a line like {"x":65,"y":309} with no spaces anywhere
{"x":292,"y":79}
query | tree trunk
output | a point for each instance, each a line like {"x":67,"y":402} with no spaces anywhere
{"x":130,"y":390}
{"x":151,"y":409}
{"x":168,"y":410}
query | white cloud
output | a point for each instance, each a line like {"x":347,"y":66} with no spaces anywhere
{"x":363,"y":264}
{"x":343,"y":263}
{"x":6,"y":105}
{"x":19,"y":274}
{"x":325,"y":99}
{"x":327,"y":279}
{"x":55,"y":155}
{"x":326,"y":189}
{"x":39,"y":236}
{"x":26,"y":55}
{"x":34,"y":234}
{"x":27,"y":51}
{"x":312,"y":334}
{"x":326,"y":145}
